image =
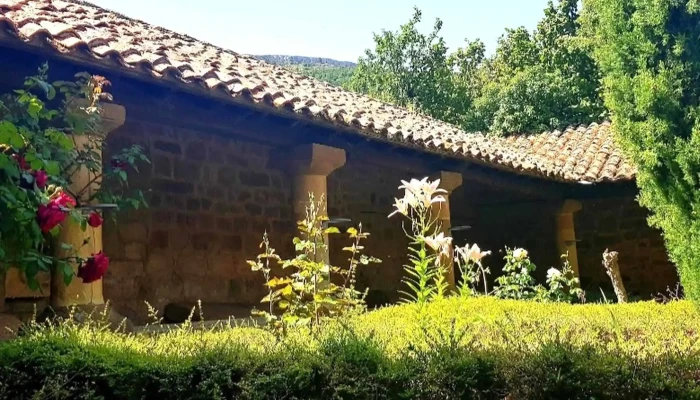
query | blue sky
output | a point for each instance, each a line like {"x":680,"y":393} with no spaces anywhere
{"x":324,"y":28}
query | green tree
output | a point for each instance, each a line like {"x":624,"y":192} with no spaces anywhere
{"x":410,"y":69}
{"x":542,"y":80}
{"x":534,"y":81}
{"x":649,"y":55}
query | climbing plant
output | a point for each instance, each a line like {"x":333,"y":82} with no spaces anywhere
{"x":48,"y":131}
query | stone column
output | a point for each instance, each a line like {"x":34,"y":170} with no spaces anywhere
{"x":449,"y":181}
{"x":310,"y":165}
{"x":78,"y":293}
{"x":566,"y":234}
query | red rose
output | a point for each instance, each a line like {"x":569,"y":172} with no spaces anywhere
{"x":94,"y":268}
{"x":50,"y":215}
{"x":40,"y":178}
{"x":94,"y":220}
{"x":23,"y":165}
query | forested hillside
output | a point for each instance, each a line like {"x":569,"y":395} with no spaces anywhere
{"x":328,"y":70}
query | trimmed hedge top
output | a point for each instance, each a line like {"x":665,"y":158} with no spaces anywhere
{"x":475,"y":348}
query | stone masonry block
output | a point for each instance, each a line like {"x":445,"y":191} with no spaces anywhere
{"x":167,"y":147}
{"x":254,"y":179}
{"x":196,"y":151}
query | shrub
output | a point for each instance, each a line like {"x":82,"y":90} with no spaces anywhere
{"x":480,"y":348}
{"x":48,"y":132}
{"x":650,"y":63}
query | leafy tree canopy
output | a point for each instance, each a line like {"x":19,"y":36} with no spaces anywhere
{"x":534,"y":81}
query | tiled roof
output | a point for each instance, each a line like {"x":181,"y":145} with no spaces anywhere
{"x":93,"y":35}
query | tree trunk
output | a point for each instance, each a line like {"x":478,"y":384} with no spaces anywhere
{"x":613,"y":270}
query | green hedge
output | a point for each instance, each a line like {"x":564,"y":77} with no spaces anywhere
{"x":451,"y":349}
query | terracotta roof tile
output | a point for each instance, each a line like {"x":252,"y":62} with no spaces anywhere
{"x":585,"y":153}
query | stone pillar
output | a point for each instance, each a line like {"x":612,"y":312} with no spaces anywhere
{"x":78,"y":293}
{"x":566,"y":234}
{"x":310,"y":165}
{"x":449,"y":181}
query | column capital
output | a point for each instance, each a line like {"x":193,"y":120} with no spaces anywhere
{"x":449,"y":180}
{"x":112,"y":115}
{"x":570,"y":206}
{"x":310,"y":159}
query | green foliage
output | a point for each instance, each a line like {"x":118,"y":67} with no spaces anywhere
{"x":410,"y":69}
{"x":40,"y":125}
{"x":534,"y":81}
{"x":650,"y":60}
{"x":309,"y":294}
{"x":516,"y":281}
{"x":563,"y":286}
{"x":478,"y":348}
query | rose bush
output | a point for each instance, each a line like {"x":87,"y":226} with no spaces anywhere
{"x":39,"y":153}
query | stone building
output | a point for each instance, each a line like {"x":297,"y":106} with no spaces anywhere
{"x":236,"y":144}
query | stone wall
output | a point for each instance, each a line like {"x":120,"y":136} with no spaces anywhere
{"x":210,"y":200}
{"x":499,"y":218}
{"x":619,"y":224}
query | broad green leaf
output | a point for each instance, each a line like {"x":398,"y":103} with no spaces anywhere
{"x":52,"y":167}
{"x":10,"y":135}
{"x":68,"y":273}
{"x":36,"y":164}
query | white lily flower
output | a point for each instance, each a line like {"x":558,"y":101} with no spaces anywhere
{"x":414,"y":186}
{"x":401,"y":207}
{"x":439,"y":243}
{"x":437,"y":199}
{"x":411,"y":199}
{"x":473,"y":253}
